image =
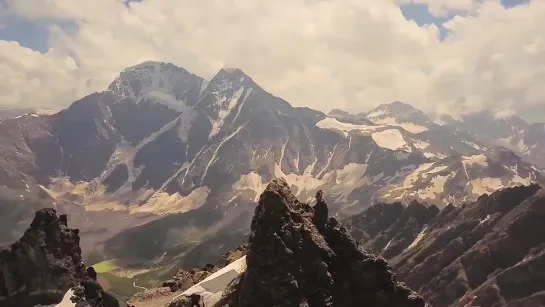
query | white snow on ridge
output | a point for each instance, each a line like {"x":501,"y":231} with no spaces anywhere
{"x":437,"y":169}
{"x":476,"y":159}
{"x":164,"y":97}
{"x":345,"y":128}
{"x":434,"y":188}
{"x":348,"y":179}
{"x":390,"y":121}
{"x":163,"y":203}
{"x":213,"y":286}
{"x":486,"y":185}
{"x":419,"y":238}
{"x":214,"y":155}
{"x":471,"y":144}
{"x":377,"y":113}
{"x":224,"y":106}
{"x":252,"y":182}
{"x":390,"y":139}
{"x":387,"y":245}
{"x":66,"y":302}
{"x":421,"y":144}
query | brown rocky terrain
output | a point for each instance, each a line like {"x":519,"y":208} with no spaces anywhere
{"x":487,"y":253}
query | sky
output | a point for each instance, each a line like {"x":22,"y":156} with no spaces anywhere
{"x":442,"y":56}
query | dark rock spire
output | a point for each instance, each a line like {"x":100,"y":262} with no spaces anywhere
{"x":299,"y":257}
{"x":44,"y":264}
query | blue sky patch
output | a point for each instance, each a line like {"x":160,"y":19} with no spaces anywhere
{"x":27,"y":33}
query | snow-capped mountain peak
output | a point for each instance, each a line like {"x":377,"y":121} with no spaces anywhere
{"x":158,"y":82}
{"x":402,"y":115}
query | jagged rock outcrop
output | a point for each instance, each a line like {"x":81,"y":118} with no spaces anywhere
{"x":297,"y":256}
{"x":486,"y":253}
{"x":45,"y":263}
{"x":483,"y":254}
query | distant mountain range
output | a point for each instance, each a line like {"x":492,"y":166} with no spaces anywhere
{"x":188,"y":159}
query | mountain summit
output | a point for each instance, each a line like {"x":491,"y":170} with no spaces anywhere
{"x":401,"y":114}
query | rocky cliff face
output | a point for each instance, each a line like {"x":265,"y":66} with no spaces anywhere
{"x":486,"y":253}
{"x":45,"y":263}
{"x":298,"y":256}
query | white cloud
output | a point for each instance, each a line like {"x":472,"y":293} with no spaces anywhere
{"x":348,"y":54}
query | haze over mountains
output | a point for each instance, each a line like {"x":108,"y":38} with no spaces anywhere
{"x":165,"y":166}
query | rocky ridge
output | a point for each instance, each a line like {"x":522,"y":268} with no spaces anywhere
{"x":45,"y":264}
{"x":299,"y":256}
{"x":486,"y":253}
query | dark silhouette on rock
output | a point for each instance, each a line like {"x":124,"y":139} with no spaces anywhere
{"x":92,"y":273}
{"x":44,"y":264}
{"x":299,"y":257}
{"x":195,"y":300}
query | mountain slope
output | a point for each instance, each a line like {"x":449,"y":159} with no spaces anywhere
{"x":461,"y":179}
{"x":401,"y":114}
{"x":486,"y":253}
{"x":527,"y":140}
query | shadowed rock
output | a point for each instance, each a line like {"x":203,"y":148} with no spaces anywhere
{"x":299,"y":257}
{"x":44,"y":264}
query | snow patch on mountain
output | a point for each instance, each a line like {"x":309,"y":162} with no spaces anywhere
{"x":475,"y":160}
{"x":211,"y":288}
{"x":348,"y":179}
{"x":390,"y":139}
{"x":486,"y":185}
{"x":390,"y":121}
{"x":345,"y":128}
{"x":435,"y":187}
{"x":252,"y":182}
{"x":220,"y":145}
{"x":419,"y":144}
{"x":223,"y":107}
{"x":163,"y":203}
{"x":129,"y":154}
{"x":418,"y":238}
{"x":66,"y":300}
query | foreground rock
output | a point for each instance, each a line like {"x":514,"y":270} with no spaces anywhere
{"x":298,"y":256}
{"x":45,"y":264}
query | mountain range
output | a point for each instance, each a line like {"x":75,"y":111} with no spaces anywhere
{"x":164,"y":167}
{"x":484,"y":254}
